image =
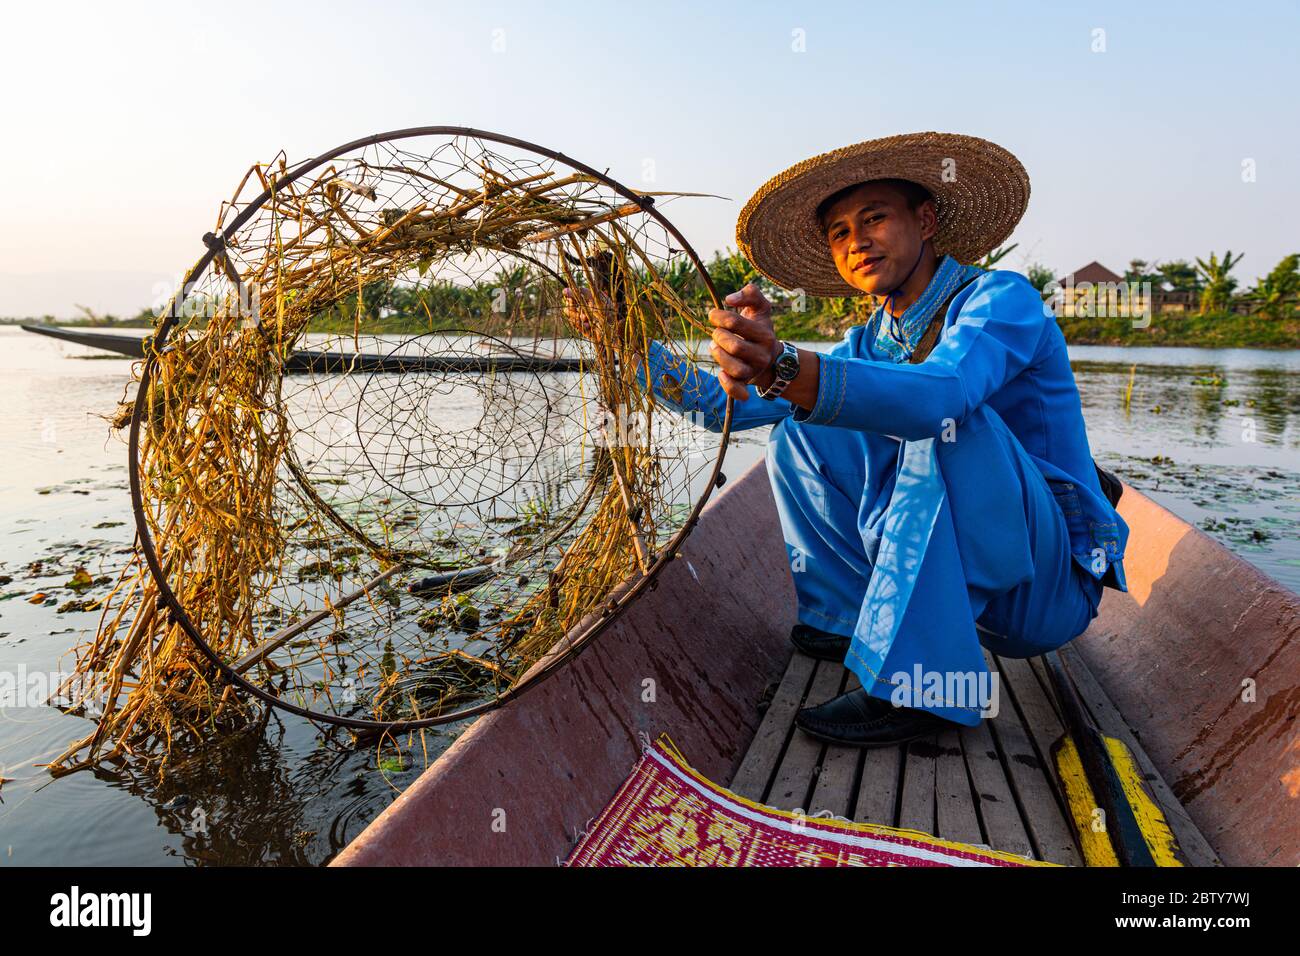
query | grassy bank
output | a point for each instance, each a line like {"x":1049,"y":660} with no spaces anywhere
{"x":1188,"y":330}
{"x":1224,"y":331}
{"x":811,"y":326}
{"x":1173,"y":329}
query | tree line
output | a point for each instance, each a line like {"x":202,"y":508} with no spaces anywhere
{"x":398,"y":306}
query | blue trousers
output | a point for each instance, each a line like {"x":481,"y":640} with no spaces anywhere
{"x":923,"y":551}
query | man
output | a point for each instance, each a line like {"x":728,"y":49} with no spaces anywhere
{"x":932,"y":470}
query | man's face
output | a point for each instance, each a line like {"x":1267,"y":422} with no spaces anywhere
{"x":875,"y":238}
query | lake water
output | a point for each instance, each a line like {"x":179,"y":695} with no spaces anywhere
{"x":1212,"y":435}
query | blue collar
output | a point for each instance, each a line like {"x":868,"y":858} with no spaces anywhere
{"x":897,"y":336}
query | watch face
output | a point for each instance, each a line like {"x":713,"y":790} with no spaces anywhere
{"x":787,"y":366}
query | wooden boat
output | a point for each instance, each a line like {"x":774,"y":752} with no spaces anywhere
{"x":1197,"y":668}
{"x":319,"y":362}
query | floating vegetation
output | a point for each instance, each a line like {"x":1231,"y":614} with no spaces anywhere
{"x":454,"y":611}
{"x":79,"y":604}
{"x":372,"y":542}
{"x":80,"y":581}
{"x":1246,"y":508}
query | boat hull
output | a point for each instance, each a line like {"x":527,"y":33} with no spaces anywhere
{"x":1202,"y":657}
{"x":1172,"y":654}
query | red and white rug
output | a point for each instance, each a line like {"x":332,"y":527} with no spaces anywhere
{"x":666,"y":814}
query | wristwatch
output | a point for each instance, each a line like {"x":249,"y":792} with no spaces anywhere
{"x":785,"y":370}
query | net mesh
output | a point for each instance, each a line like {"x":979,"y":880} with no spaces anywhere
{"x":380,"y":474}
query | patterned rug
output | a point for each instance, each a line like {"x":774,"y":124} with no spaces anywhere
{"x":666,"y":814}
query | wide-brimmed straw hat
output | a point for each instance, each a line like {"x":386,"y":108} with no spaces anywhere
{"x":980,"y":192}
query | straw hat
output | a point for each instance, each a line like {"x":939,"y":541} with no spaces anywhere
{"x":980,"y":193}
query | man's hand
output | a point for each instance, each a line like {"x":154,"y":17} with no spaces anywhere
{"x":587,"y":313}
{"x":744,"y":342}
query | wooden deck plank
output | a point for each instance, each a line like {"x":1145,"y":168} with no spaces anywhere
{"x":1041,"y":718}
{"x":1111,"y":722}
{"x":1039,"y":667}
{"x":839,"y":772}
{"x":1034,"y":785}
{"x":835,"y":778}
{"x":992,"y":784}
{"x":1039,"y":711}
{"x":1051,"y":834}
{"x":955,"y":814}
{"x":916,"y":809}
{"x":793,"y":782}
{"x":877,"y":800}
{"x":1003,"y":827}
{"x":760,"y":761}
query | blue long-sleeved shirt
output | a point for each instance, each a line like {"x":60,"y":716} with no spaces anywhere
{"x":1000,"y":345}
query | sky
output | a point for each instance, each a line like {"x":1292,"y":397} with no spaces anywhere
{"x":1155,"y":131}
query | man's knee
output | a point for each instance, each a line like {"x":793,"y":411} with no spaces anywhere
{"x":806,"y":447}
{"x":981,"y":433}
{"x":1028,"y":628}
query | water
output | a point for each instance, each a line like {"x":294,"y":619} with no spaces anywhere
{"x":1213,"y":435}
{"x":1223,"y":452}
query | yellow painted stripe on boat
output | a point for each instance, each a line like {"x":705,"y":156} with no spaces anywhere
{"x":1082,"y":805}
{"x":1151,"y":820}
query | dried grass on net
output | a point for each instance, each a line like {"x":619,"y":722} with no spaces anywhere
{"x":299,"y":505}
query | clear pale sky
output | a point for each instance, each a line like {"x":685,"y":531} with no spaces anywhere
{"x":124,"y":129}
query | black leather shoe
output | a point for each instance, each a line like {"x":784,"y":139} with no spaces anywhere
{"x":820,"y":644}
{"x":857,"y":719}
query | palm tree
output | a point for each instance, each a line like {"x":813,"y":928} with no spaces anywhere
{"x":1140,"y":271}
{"x":1276,"y":290}
{"x":1216,"y":294}
{"x":731,"y":271}
{"x":1180,"y":275}
{"x":1039,"y":275}
{"x":996,"y":256}
{"x":680,"y":275}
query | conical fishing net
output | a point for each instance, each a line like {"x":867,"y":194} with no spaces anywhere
{"x":378,"y":478}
